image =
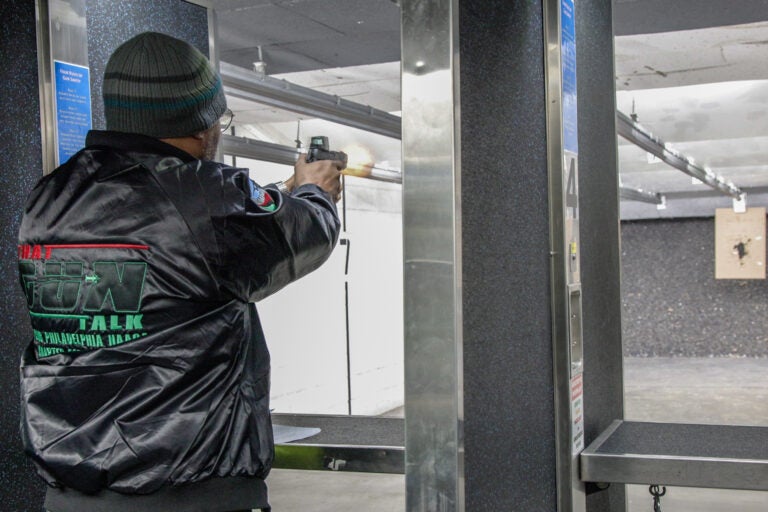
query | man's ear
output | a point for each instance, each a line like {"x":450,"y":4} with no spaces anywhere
{"x":199,"y":135}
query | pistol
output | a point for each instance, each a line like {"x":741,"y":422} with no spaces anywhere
{"x":318,"y":150}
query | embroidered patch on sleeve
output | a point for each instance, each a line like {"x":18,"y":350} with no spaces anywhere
{"x":262,"y":198}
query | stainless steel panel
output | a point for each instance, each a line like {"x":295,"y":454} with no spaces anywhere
{"x":359,"y":459}
{"x":706,"y":456}
{"x":432,"y":257}
{"x":575,"y":332}
{"x":346,"y":430}
{"x":61,"y":35}
{"x":213,"y":50}
{"x":44,"y":71}
{"x":571,"y":495}
{"x":676,"y":471}
{"x":343,"y":443}
{"x":68,"y":31}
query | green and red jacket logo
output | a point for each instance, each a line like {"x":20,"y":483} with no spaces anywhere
{"x":84,"y":305}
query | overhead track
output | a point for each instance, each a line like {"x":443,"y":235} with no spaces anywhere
{"x":276,"y":153}
{"x":257,"y":150}
{"x":264,"y":89}
{"x":249,"y":85}
{"x":644,"y":196}
{"x":639,"y":136}
{"x":269,"y":152}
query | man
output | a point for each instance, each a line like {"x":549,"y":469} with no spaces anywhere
{"x":146,"y":387}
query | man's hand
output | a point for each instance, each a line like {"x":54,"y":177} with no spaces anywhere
{"x":326,"y":174}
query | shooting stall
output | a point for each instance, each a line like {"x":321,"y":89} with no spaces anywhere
{"x":511,"y":274}
{"x":513,"y":357}
{"x":492,"y":296}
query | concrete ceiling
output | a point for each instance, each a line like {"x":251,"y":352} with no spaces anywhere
{"x":302,"y":35}
{"x":695,"y":72}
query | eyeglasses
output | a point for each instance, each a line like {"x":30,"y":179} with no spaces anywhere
{"x":225,"y":120}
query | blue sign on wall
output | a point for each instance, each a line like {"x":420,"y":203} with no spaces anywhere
{"x":73,"y":108}
{"x":568,"y":56}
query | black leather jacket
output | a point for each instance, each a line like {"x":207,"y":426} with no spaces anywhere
{"x":140,"y":265}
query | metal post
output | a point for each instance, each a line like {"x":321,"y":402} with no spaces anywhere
{"x":65,"y":86}
{"x":565,"y":247}
{"x":432,"y":258}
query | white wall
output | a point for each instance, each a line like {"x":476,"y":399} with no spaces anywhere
{"x":374,"y":228}
{"x":306,"y":324}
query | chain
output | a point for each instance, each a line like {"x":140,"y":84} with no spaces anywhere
{"x":654,"y":490}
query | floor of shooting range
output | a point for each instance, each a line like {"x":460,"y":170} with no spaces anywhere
{"x":683,"y":390}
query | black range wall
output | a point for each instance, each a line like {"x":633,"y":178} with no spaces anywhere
{"x":110,"y":22}
{"x":20,"y":166}
{"x":506,"y":307}
{"x":507,"y":352}
{"x":672,"y":303}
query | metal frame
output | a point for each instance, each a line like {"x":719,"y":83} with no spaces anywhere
{"x":213,"y":47}
{"x":49,"y":50}
{"x":45,"y":81}
{"x":344,"y":443}
{"x":340,"y":457}
{"x":434,"y":396}
{"x":279,"y":154}
{"x":213,"y":31}
{"x":642,"y":138}
{"x":643,"y":196}
{"x":606,"y":460}
{"x":570,"y":490}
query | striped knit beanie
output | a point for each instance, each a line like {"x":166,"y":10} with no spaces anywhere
{"x":160,"y":86}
